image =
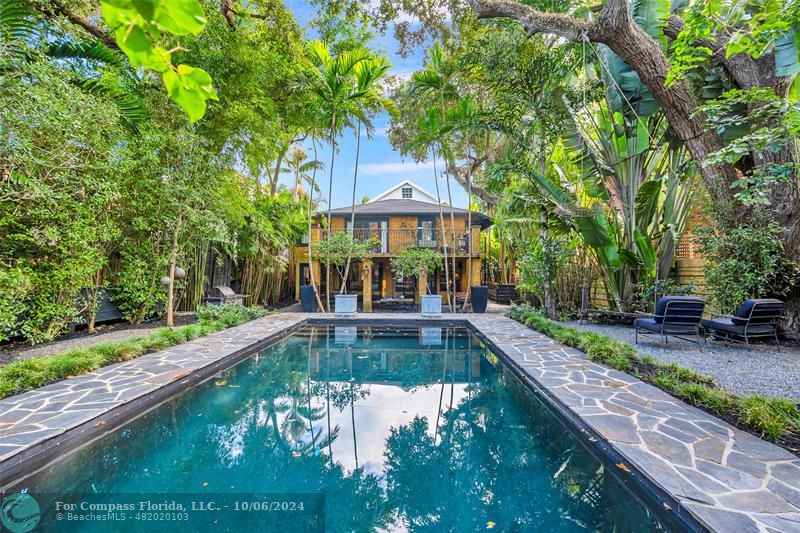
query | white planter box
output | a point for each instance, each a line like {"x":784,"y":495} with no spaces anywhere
{"x":345,"y":334}
{"x":345,"y":304}
{"x":431,"y":305}
{"x":431,"y":336}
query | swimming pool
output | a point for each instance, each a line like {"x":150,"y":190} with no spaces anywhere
{"x":344,"y":429}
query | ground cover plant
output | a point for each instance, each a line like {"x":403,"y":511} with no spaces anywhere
{"x":26,"y":374}
{"x":774,"y":419}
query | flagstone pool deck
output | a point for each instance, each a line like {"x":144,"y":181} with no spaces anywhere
{"x":724,"y":478}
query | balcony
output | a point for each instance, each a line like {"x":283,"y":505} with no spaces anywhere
{"x":392,"y":241}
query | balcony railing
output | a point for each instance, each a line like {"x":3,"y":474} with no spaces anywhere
{"x":390,"y":241}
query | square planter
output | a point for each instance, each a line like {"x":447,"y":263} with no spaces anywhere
{"x":431,"y":336}
{"x":345,"y":304}
{"x":307,"y":298}
{"x":480,"y":298}
{"x":431,"y":305}
{"x":345,"y":334}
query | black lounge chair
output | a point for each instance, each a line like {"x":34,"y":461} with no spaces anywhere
{"x":757,"y":318}
{"x":675,"y":316}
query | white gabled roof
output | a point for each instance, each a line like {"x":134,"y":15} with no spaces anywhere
{"x":406,"y":183}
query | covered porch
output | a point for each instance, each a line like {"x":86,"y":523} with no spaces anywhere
{"x":379,"y":288}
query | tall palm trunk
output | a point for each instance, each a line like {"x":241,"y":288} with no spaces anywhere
{"x":330,"y":197}
{"x":310,"y":209}
{"x":352,"y":207}
{"x":441,"y":220}
{"x":453,"y":301}
{"x":469,"y":227}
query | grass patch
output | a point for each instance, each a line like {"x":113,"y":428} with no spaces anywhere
{"x":27,"y":374}
{"x":775,"y":419}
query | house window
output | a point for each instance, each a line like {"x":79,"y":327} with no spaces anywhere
{"x":407,"y":192}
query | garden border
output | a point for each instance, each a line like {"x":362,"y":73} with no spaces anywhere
{"x":579,"y":391}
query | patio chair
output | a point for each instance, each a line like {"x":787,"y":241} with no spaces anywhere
{"x":675,"y":316}
{"x":757,"y":318}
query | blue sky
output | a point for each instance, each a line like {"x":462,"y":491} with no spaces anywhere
{"x":379,"y":167}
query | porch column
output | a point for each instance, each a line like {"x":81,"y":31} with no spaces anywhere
{"x":476,"y":271}
{"x":422,"y":283}
{"x":366,"y":283}
{"x":297,"y":280}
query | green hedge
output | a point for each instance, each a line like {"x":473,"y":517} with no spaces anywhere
{"x":775,"y":419}
{"x":27,"y":374}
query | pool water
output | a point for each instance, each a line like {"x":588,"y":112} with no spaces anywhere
{"x":366,"y":429}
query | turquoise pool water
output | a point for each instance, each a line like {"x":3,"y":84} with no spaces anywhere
{"x":338,"y":429}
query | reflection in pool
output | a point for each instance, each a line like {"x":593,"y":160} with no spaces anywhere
{"x":392,"y":429}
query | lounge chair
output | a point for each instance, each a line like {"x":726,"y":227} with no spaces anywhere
{"x":674,"y":316}
{"x":757,"y":318}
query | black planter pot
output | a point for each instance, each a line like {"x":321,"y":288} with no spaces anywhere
{"x":480,"y":297}
{"x":307,"y":300}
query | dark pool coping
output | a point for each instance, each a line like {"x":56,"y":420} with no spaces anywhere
{"x":536,"y":361}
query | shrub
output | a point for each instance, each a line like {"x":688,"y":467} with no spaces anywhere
{"x":745,"y":261}
{"x":230,"y":314}
{"x":14,"y":285}
{"x":644,"y":298}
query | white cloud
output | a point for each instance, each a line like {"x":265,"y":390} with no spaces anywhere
{"x":379,"y":169}
{"x":404,"y":74}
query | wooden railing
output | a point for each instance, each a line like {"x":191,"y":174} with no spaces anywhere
{"x":391,"y":241}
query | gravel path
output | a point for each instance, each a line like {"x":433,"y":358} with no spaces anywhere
{"x":762,"y":369}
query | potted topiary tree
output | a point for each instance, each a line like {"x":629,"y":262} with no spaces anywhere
{"x":336,"y":249}
{"x":418,"y":262}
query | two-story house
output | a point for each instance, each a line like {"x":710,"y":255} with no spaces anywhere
{"x":405,"y":215}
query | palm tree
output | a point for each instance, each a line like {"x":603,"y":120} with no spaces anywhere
{"x":365,"y":100}
{"x":298,"y":165}
{"x":331,"y":81}
{"x":464,"y":119}
{"x":429,"y":131}
{"x":435,"y":80}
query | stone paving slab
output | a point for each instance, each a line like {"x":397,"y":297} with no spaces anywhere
{"x":726,"y":478}
{"x":35,"y":416}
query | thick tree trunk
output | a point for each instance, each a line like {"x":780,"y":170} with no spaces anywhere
{"x":616,"y":28}
{"x":273,"y":183}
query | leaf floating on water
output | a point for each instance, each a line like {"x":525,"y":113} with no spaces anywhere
{"x":623,"y":466}
{"x":205,"y":483}
{"x":102,"y":422}
{"x":490,"y":525}
{"x":220,"y":383}
{"x":561,"y":469}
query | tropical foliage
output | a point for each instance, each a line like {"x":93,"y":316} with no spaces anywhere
{"x":106,"y":185}
{"x":341,"y":248}
{"x":141,"y":138}
{"x":415,"y":262}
